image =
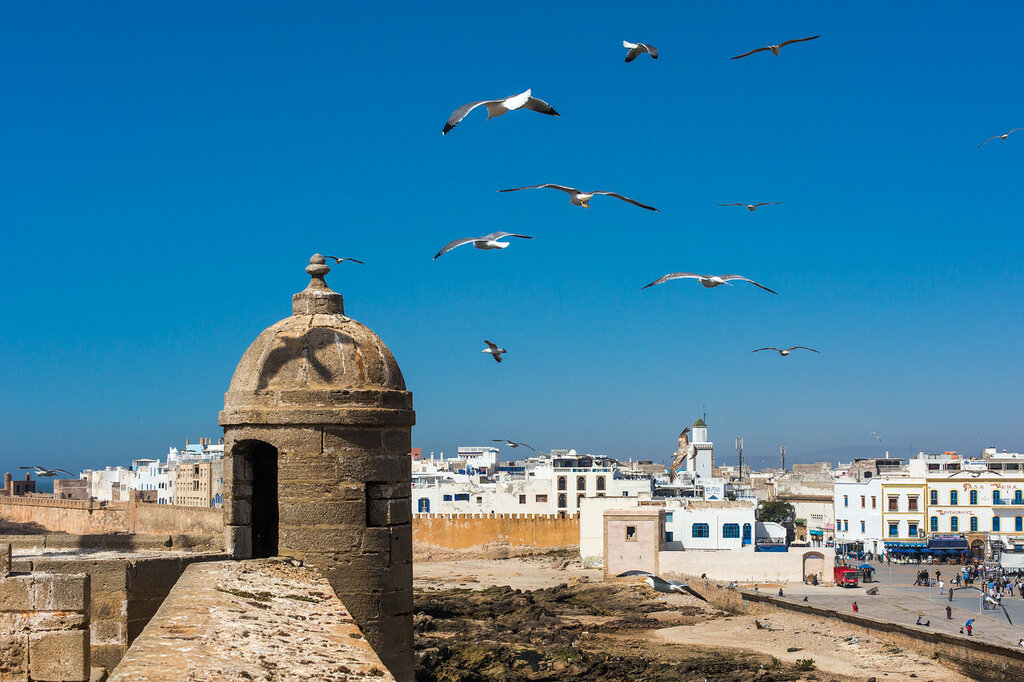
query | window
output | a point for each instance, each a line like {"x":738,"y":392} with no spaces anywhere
{"x":625,"y":493}
{"x":668,"y":517}
{"x":954,"y":524}
{"x":995,"y":524}
{"x":578,"y":498}
{"x":846,"y":500}
{"x":952,"y":497}
{"x":746,"y":533}
{"x":873,"y":502}
{"x":522,"y":499}
{"x":561,"y":482}
{"x":995,"y":497}
{"x":972,"y":497}
{"x":846,"y":525}
{"x":423,"y":505}
{"x":912,"y":503}
{"x":731,"y":530}
{"x":581,"y":483}
{"x":462,"y":497}
{"x":912,"y":529}
{"x":974,"y":523}
{"x":894,"y":504}
{"x":479,"y":500}
{"x":1018,"y":524}
{"x":700,"y":530}
{"x":863,"y":501}
{"x":561,"y":500}
{"x":934,"y":524}
{"x":630,"y":533}
{"x":668,"y":536}
{"x":600,"y":482}
{"x":1018,"y":497}
{"x":541,"y":498}
{"x":862,"y":527}
{"x":894,"y":530}
{"x":933,"y":497}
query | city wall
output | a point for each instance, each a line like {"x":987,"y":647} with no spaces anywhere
{"x":462,"y":531}
{"x":90,"y":517}
{"x":974,"y":658}
{"x":778,"y":567}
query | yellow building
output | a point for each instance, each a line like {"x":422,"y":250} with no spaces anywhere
{"x":198,"y":484}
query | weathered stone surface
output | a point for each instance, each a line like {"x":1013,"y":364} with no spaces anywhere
{"x":5,"y":559}
{"x":13,"y":656}
{"x":62,"y":655}
{"x":16,"y":593}
{"x":57,"y":592}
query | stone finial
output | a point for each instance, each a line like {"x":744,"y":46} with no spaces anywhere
{"x":317,"y":297}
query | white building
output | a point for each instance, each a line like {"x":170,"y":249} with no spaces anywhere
{"x":151,"y":474}
{"x":110,"y":484}
{"x":858,"y":512}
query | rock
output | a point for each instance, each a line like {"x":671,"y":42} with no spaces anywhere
{"x":793,"y":649}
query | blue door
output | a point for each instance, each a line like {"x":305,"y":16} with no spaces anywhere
{"x":746,"y":533}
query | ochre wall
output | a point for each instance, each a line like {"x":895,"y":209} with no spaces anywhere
{"x":461,"y":531}
{"x":84,"y":517}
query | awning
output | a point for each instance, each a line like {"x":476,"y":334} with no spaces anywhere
{"x":815,"y":532}
{"x":904,"y":545}
{"x":953,"y":544}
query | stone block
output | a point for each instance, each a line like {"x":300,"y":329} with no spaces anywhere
{"x":352,"y":439}
{"x":57,"y":620}
{"x":107,"y":632}
{"x":323,"y":513}
{"x":378,"y":468}
{"x":377,"y":540}
{"x":238,"y":541}
{"x":59,"y":655}
{"x":398,"y":602}
{"x":13,"y":656}
{"x":5,"y":559}
{"x":320,"y":539}
{"x":401,"y":542}
{"x":237,"y":512}
{"x":16,"y":593}
{"x":319,"y":467}
{"x":388,"y":491}
{"x":399,"y":576}
{"x":56,"y":592}
{"x":377,"y":513}
{"x":107,"y":655}
{"x":399,"y":511}
{"x":398,"y":441}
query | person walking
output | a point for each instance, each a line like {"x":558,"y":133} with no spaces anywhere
{"x":855,"y":607}
{"x":949,"y":613}
{"x":970,"y":629}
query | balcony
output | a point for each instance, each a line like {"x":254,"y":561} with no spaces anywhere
{"x":1016,"y":502}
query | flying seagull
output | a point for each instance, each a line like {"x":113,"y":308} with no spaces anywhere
{"x":662,"y":585}
{"x":1001,"y":137}
{"x":487,"y":243}
{"x":497,"y":107}
{"x":753,"y":207}
{"x":40,"y":471}
{"x":510,"y":443}
{"x":579,"y":197}
{"x":342,"y":260}
{"x":785,"y":351}
{"x":495,"y":352}
{"x":774,"y":48}
{"x":708,"y":281}
{"x":637,"y":49}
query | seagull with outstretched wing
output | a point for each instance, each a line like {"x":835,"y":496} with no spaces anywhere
{"x":785,"y":351}
{"x":488,"y":242}
{"x":495,"y":352}
{"x":753,"y":207}
{"x":708,"y":281}
{"x":662,"y":585}
{"x":511,"y":443}
{"x":775,"y":49}
{"x":999,"y":137}
{"x":500,"y":107}
{"x":579,"y":197}
{"x":49,"y":473}
{"x":637,"y":49}
{"x":338,"y":260}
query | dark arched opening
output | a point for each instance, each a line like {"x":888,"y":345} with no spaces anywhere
{"x":259,"y":461}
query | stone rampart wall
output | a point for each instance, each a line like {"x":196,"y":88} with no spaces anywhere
{"x":974,"y":658}
{"x":462,"y":531}
{"x":44,"y":625}
{"x":780,"y":567}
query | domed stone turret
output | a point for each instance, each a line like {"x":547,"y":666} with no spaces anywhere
{"x":317,"y":428}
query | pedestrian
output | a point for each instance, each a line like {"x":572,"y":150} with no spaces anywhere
{"x":949,"y":613}
{"x":942,"y":586}
{"x":918,"y":621}
{"x":855,"y":607}
{"x":780,"y":591}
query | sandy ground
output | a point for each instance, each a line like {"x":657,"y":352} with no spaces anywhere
{"x":835,"y":649}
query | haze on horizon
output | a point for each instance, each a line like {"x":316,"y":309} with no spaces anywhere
{"x":168,"y":171}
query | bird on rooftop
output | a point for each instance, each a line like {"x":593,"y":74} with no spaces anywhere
{"x":495,"y":352}
{"x":708,"y":281}
{"x":579,"y":197}
{"x":511,"y":443}
{"x":753,"y":207}
{"x":40,"y":471}
{"x":774,"y":48}
{"x":486,"y":243}
{"x":1001,"y":137}
{"x":662,"y":585}
{"x":637,"y":49}
{"x":785,"y":351}
{"x":342,"y":260}
{"x":499,"y":107}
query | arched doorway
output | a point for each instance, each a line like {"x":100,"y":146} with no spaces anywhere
{"x":978,"y":548}
{"x":814,"y":564}
{"x":254,"y":464}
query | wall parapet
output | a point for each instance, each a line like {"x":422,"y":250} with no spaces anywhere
{"x":462,"y":531}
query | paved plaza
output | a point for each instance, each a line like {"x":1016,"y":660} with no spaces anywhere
{"x":900,"y":601}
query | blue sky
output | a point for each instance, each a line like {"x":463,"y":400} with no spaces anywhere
{"x":168,"y":171}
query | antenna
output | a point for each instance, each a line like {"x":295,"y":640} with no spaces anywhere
{"x":782,"y":451}
{"x":739,"y":447}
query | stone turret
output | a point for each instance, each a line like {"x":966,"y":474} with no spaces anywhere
{"x":317,"y":428}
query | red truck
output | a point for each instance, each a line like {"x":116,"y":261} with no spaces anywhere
{"x":844,"y":577}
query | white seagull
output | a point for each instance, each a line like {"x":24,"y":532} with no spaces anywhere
{"x":637,"y":49}
{"x":498,"y":107}
{"x":785,"y":351}
{"x":511,"y":443}
{"x":753,"y":207}
{"x":1001,"y":137}
{"x":774,"y":48}
{"x":708,"y":281}
{"x":342,"y":260}
{"x":662,"y":585}
{"x":40,"y":471}
{"x":487,"y":243}
{"x":495,"y":352}
{"x":579,"y":197}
